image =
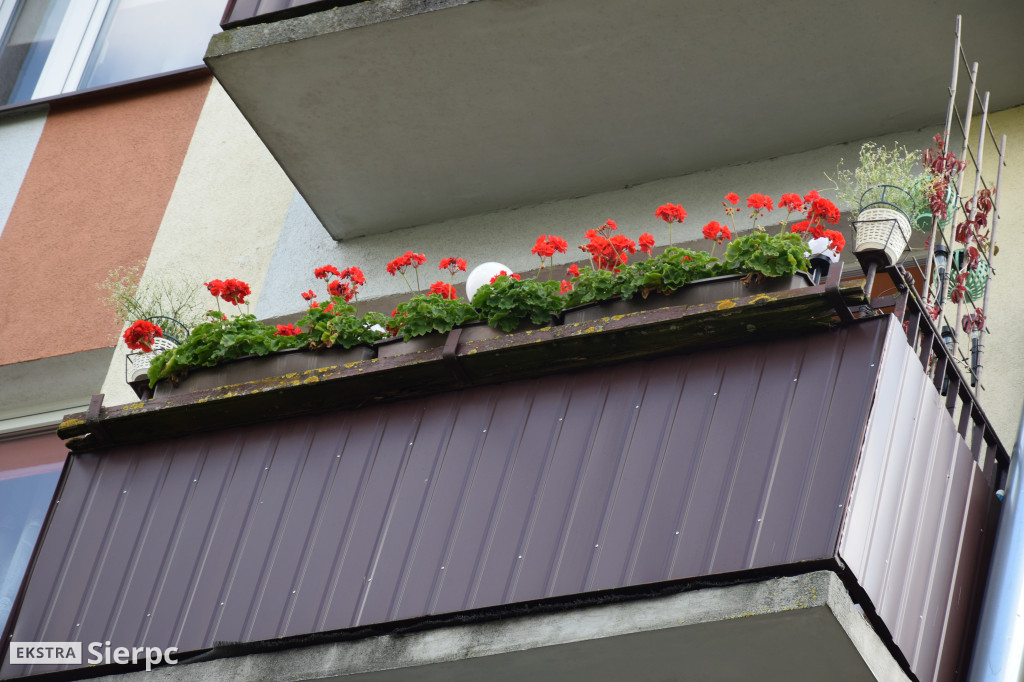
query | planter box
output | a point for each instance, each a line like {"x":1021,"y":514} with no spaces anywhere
{"x":696,"y":293}
{"x":252,"y":367}
{"x":471,"y":333}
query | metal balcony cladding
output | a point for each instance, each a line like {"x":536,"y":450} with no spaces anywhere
{"x":645,"y":471}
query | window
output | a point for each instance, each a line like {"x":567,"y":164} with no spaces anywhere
{"x":24,"y":498}
{"x":49,"y":47}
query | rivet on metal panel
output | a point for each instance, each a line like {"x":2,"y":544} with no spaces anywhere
{"x":123,"y":492}
{"x":520,"y":556}
{"x":485,"y":430}
{"x":293,"y":591}
{"x":410,"y":442}
{"x":716,"y":392}
{"x":442,"y":568}
{"x":266,"y":468}
{"x":794,"y":381}
{"x":559,"y":419}
{"x":222,"y":603}
{"x":337,"y":456}
{"x":872,"y":364}
{"x":148,"y":615}
{"x":78,"y":625}
{"x":759,"y":520}
{"x":596,"y":546}
{"x":677,"y":532}
{"x":638,"y":407}
{"x":195,"y":480}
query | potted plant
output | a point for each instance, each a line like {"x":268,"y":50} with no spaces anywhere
{"x":508,"y":301}
{"x":425,"y":315}
{"x":879,"y":191}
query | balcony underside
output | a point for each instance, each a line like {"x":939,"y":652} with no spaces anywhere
{"x":392,"y":115}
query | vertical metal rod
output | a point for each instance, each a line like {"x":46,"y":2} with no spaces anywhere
{"x":950,"y":105}
{"x":991,"y":246}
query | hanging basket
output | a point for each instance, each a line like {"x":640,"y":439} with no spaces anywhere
{"x":923,"y":221}
{"x":137,"y":364}
{"x":884,"y":230}
{"x":976,"y":278}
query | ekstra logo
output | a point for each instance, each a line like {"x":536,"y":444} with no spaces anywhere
{"x":70,"y":653}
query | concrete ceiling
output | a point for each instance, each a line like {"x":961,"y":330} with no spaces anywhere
{"x":389,"y":115}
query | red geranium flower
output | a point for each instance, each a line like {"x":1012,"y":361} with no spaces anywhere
{"x":514,"y":276}
{"x":573,"y":271}
{"x":542,"y":248}
{"x":716,"y":232}
{"x":759,"y":202}
{"x":732,"y":198}
{"x":791,"y":202}
{"x":287,"y":330}
{"x":836,"y":240}
{"x":801,"y":226}
{"x":308,"y":295}
{"x":140,"y":335}
{"x":409,"y":258}
{"x":452,"y":264}
{"x":647,"y":243}
{"x":233,"y":291}
{"x":342,"y":289}
{"x":566,"y":287}
{"x":322,"y":273}
{"x":354,"y":275}
{"x":823,"y":209}
{"x":443,"y":289}
{"x":558,"y":244}
{"x":671,"y":213}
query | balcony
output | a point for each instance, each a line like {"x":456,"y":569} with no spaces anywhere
{"x":676,"y":484}
{"x":390,"y":115}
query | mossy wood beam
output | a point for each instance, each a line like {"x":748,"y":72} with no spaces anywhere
{"x":457,"y":365}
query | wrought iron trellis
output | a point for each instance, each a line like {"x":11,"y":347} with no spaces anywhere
{"x":974,"y":156}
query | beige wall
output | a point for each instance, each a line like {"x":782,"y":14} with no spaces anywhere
{"x":223,"y":218}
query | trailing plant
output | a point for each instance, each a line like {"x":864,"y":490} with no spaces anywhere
{"x":172,"y":294}
{"x":507,"y":301}
{"x":879,"y":166}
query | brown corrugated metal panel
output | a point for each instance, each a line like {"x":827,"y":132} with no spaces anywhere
{"x":916,"y":482}
{"x":644,"y":471}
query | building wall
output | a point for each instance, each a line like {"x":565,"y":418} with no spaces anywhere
{"x":91,"y":199}
{"x":222,"y":219}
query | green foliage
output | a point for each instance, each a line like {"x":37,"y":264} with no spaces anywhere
{"x":671,"y":270}
{"x":770,"y":255}
{"x":334,"y":323}
{"x":879,"y":165}
{"x":172,"y":294}
{"x":508,"y":301}
{"x":426,"y":313}
{"x":216,"y":341}
{"x":592,"y":285}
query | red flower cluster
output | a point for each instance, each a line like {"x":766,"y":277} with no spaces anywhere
{"x":402,"y":262}
{"x":671,"y":213}
{"x":566,"y":287}
{"x":336,"y":287}
{"x":514,"y":276}
{"x":732,"y":198}
{"x":287,"y":330}
{"x":973,"y":323}
{"x":608,"y":253}
{"x":233,"y":291}
{"x":822,"y":209}
{"x":326,"y":271}
{"x":546,"y":246}
{"x":140,"y":335}
{"x":760,"y":202}
{"x":716,"y":232}
{"x":837,"y":242}
{"x":647,"y":243}
{"x":452,"y":264}
{"x":791,"y":202}
{"x":443,"y":289}
{"x":573,"y":271}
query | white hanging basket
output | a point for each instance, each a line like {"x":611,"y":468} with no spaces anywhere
{"x":880,"y":228}
{"x":137,"y":364}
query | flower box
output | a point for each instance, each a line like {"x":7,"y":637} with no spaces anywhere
{"x":260,"y":367}
{"x":696,"y":293}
